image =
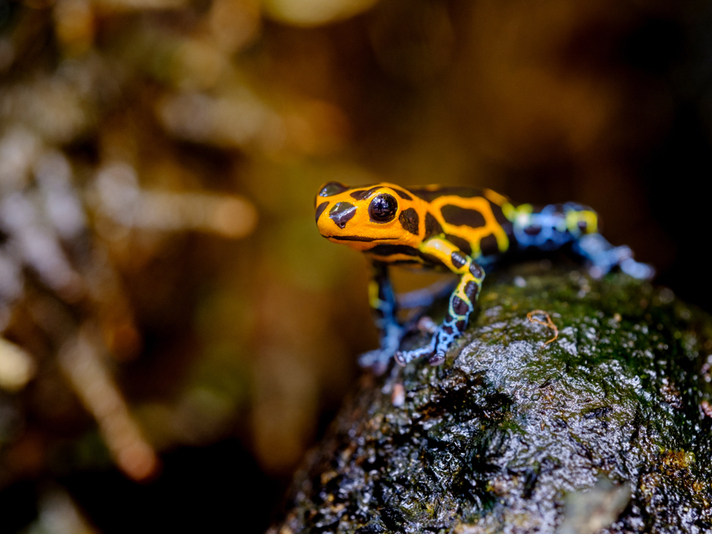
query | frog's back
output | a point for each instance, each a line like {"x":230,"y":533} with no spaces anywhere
{"x":472,"y":219}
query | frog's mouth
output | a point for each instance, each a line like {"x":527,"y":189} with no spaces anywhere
{"x":359,"y":238}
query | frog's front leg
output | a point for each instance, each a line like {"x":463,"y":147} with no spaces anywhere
{"x":382,"y":299}
{"x":462,"y":301}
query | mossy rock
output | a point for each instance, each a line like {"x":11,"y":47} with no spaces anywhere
{"x":520,"y":432}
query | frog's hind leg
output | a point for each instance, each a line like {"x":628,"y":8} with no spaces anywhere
{"x":603,"y":257}
{"x":553,"y":226}
{"x":556,"y":225}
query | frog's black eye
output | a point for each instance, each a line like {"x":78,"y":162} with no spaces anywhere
{"x":332,"y":188}
{"x":383,"y":208}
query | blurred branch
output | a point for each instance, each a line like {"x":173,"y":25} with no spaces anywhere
{"x":80,"y":359}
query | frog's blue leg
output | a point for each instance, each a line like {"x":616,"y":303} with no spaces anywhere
{"x":462,"y":302}
{"x":383,"y":305}
{"x":603,"y":257}
{"x":556,"y":225}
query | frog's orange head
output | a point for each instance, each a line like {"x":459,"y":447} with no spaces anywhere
{"x":362,"y":217}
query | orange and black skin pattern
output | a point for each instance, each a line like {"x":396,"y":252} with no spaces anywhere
{"x":455,"y":229}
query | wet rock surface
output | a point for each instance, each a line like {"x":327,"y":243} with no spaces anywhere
{"x":606,"y":428}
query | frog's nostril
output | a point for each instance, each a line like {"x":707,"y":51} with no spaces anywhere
{"x":341,"y":213}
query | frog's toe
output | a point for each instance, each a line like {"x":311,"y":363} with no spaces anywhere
{"x":437,"y":359}
{"x":400,"y":358}
{"x":642,"y":271}
{"x":404,"y":357}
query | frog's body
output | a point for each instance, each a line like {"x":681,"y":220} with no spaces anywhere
{"x":454,"y":229}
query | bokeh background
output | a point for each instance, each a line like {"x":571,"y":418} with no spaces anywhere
{"x":175,"y":332}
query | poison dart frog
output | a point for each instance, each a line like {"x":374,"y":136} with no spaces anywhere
{"x":457,"y":229}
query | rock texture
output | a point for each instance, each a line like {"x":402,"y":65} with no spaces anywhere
{"x":606,"y":428}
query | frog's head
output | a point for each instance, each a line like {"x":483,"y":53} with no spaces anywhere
{"x":364,"y":216}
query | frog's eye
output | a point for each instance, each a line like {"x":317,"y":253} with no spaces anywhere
{"x":383,"y":208}
{"x":332,"y":188}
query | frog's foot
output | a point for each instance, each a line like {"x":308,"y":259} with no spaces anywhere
{"x":454,"y":324}
{"x":407,"y":356}
{"x":377,"y":360}
{"x":636,"y":269}
{"x":437,"y":348}
{"x":604,"y":257}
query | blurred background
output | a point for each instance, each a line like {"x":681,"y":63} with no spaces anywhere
{"x":175,"y":332}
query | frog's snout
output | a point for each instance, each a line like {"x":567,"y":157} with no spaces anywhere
{"x":341,"y":213}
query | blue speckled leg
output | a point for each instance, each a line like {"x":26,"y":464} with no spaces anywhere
{"x":556,"y":225}
{"x":405,"y":357}
{"x":385,"y":305}
{"x":462,"y":303}
{"x":603,"y":257}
